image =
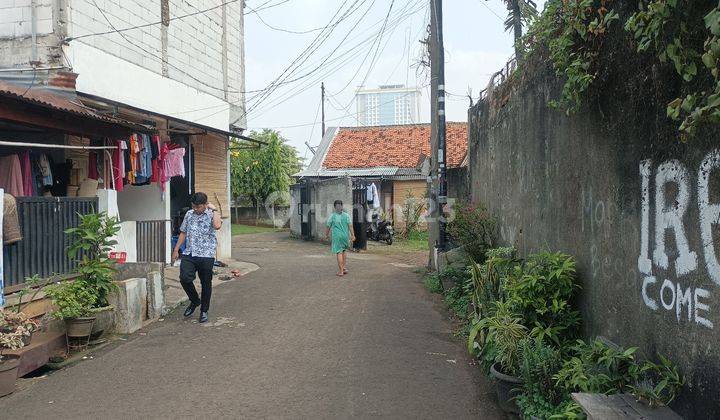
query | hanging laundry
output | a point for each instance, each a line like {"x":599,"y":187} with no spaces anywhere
{"x":93,"y":166}
{"x":155,"y":149}
{"x":144,"y":170}
{"x":46,"y":170}
{"x":118,"y":163}
{"x":27,"y":175}
{"x":11,"y":222}
{"x":11,"y":179}
{"x":174,"y":164}
{"x":133,"y":168}
{"x":162,"y":176}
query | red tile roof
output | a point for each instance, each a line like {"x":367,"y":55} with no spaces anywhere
{"x":403,"y":146}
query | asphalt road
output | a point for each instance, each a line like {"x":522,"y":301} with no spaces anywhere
{"x":290,"y":340}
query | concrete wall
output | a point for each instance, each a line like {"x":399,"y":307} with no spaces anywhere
{"x":614,"y":187}
{"x":295,"y":219}
{"x":323,"y":195}
{"x":143,"y":203}
{"x":246,"y":215}
{"x":16,"y":30}
{"x":458,"y":183}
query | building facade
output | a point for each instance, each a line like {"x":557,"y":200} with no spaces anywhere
{"x":165,"y":69}
{"x":388,"y":105}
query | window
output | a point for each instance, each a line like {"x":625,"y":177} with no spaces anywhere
{"x":373,"y":110}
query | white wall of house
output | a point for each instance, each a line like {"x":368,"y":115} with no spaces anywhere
{"x":192,"y":63}
{"x":143,"y":203}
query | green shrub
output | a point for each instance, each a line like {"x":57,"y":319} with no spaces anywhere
{"x":499,"y":339}
{"x":92,"y":240}
{"x":71,"y":299}
{"x":540,"y":291}
{"x":432,"y":283}
{"x":474,"y":228}
{"x":658,"y":383}
{"x":596,"y":367}
{"x":488,"y":278}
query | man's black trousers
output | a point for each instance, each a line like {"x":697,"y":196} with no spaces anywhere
{"x":189,"y":265}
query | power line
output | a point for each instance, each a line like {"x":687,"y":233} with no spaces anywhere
{"x":491,"y":10}
{"x":305,"y":55}
{"x":347,"y":114}
{"x":275,"y":28}
{"x":163,"y":60}
{"x":325,"y":60}
{"x":333,"y":70}
{"x":115,"y":30}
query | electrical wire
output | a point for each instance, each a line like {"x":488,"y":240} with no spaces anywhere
{"x":275,"y":28}
{"x":326,"y":60}
{"x":491,"y":10}
{"x":340,"y":65}
{"x":347,"y":115}
{"x":162,"y":60}
{"x":115,"y":30}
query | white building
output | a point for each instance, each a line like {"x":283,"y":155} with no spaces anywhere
{"x":388,"y":105}
{"x":175,"y":67}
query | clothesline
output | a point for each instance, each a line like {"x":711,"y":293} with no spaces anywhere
{"x":54,"y":146}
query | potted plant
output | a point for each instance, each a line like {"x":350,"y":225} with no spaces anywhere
{"x":18,"y":322}
{"x":75,"y":304}
{"x":18,"y":319}
{"x":498,"y":340}
{"x":9,"y":340}
{"x":92,"y":241}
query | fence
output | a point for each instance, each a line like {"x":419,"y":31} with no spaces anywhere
{"x":151,"y":240}
{"x":43,"y":221}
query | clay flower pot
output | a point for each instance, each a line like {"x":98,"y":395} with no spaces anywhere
{"x":8,"y":374}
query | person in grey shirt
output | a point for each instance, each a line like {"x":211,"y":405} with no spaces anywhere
{"x":198,"y":233}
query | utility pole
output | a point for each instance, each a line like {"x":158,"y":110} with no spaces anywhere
{"x":438,"y":142}
{"x":322,"y":104}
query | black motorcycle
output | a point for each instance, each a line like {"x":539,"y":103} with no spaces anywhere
{"x":380,"y":230}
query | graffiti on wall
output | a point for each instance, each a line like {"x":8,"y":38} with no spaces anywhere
{"x":664,"y":244}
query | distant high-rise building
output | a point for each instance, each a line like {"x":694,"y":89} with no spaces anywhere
{"x":387,"y":105}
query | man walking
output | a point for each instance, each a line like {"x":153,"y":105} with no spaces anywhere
{"x":198,"y":233}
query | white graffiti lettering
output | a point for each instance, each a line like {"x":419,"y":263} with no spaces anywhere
{"x":672,"y":199}
{"x":671,"y":217}
{"x":709,"y":214}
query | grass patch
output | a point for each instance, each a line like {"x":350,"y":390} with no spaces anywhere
{"x":418,"y":241}
{"x":247,"y":229}
{"x":432,"y":283}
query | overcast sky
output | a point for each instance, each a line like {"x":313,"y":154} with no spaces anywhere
{"x":476,"y":46}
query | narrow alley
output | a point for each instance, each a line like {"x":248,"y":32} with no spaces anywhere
{"x":290,"y":340}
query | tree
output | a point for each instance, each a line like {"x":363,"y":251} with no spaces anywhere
{"x":520,"y":12}
{"x":263,"y":173}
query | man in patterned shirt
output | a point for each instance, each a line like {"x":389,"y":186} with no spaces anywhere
{"x":198,"y":233}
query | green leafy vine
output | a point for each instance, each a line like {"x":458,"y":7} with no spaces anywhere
{"x":573,"y":31}
{"x":683,"y":34}
{"x":674,"y":30}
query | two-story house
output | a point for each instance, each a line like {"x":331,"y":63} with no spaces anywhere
{"x":80,"y":80}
